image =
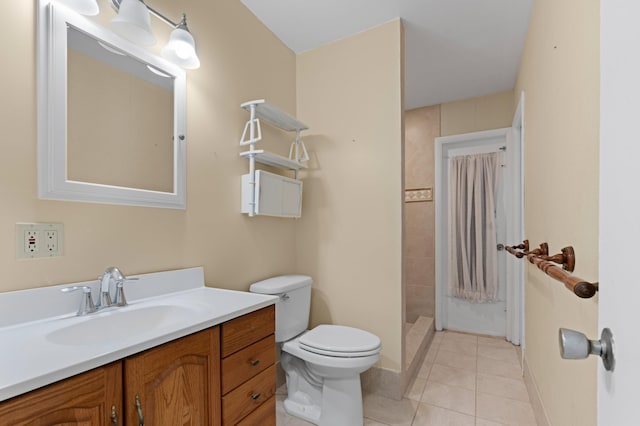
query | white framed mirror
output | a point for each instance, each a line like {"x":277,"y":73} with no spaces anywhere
{"x":111,"y":116}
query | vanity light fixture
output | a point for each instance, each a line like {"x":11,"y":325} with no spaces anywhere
{"x":84,"y":7}
{"x":133,"y":24}
{"x":181,"y":48}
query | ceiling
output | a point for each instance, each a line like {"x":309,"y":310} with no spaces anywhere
{"x":454,"y":49}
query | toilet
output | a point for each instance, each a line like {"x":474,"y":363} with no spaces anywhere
{"x":322,"y":365}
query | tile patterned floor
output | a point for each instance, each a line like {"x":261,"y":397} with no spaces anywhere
{"x":464,"y":380}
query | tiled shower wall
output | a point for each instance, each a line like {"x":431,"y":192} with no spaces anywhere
{"x":422,"y":126}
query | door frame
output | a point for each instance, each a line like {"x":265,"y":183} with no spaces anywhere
{"x":515,"y":267}
{"x":514,"y":230}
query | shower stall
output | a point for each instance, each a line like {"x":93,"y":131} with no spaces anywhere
{"x":424,"y":292}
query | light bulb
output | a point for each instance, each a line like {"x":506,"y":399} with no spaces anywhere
{"x":181,"y":49}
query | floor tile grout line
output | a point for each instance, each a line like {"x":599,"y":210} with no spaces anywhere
{"x":450,"y":385}
{"x":446,"y":408}
{"x":504,"y":397}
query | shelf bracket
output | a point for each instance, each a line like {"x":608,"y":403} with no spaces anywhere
{"x":296,"y":147}
{"x":252,"y":125}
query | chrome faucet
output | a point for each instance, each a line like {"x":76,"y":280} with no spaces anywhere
{"x":110,"y":275}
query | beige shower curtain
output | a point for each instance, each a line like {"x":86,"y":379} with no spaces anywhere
{"x":473,"y":262}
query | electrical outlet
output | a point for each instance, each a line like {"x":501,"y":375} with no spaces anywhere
{"x":51,"y":241}
{"x":31,"y":239}
{"x":36,"y":240}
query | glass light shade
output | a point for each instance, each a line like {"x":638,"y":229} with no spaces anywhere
{"x":133,"y":23}
{"x":181,"y":49}
{"x":85,"y":7}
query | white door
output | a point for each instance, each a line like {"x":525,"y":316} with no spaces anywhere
{"x":458,"y":314}
{"x":619,"y":298}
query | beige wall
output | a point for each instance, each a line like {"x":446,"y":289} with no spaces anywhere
{"x":349,"y":238}
{"x":488,"y":112}
{"x":559,"y":74}
{"x":422,"y":126}
{"x":241,"y":60}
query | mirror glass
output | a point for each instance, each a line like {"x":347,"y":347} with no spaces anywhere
{"x":119,"y":112}
{"x":110,"y":116}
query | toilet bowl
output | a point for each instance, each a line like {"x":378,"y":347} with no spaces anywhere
{"x":322,"y":365}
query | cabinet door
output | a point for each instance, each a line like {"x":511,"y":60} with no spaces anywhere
{"x":176,"y":384}
{"x":86,"y":399}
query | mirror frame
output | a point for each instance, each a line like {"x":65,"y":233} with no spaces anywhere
{"x":52,"y":115}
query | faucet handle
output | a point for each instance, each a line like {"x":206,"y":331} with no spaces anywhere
{"x":86,"y":303}
{"x":120,"y":299}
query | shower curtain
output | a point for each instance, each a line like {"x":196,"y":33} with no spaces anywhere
{"x":473,"y":262}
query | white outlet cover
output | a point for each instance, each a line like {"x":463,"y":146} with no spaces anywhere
{"x":42,"y":247}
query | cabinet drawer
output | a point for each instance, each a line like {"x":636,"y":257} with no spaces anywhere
{"x":247,"y":397}
{"x":264,"y":415}
{"x":246,"y":363}
{"x":247,"y":329}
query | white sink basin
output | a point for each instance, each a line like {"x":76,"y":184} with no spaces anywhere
{"x":117,"y":324}
{"x":49,"y":343}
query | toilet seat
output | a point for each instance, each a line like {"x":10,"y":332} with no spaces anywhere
{"x":340,"y":341}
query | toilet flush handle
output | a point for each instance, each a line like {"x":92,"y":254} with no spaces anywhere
{"x":284,"y":297}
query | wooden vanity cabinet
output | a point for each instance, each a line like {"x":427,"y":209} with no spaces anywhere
{"x":248,"y":373}
{"x":224,"y":375}
{"x":89,"y":398}
{"x":176,"y":383}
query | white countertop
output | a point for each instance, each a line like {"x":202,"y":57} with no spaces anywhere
{"x":31,"y":357}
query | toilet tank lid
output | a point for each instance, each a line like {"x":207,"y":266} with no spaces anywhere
{"x":281,"y":284}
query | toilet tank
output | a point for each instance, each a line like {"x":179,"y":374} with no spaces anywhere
{"x":292,"y":307}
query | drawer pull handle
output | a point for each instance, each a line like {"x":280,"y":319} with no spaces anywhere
{"x":114,"y":416}
{"x":254,"y":362}
{"x":139,"y":410}
{"x":255,"y":395}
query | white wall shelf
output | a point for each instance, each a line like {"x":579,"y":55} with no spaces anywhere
{"x":287,"y":193}
{"x":274,"y":160}
{"x":274,"y":116}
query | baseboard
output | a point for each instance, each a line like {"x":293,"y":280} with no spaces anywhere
{"x":387,"y":383}
{"x":534,"y":395}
